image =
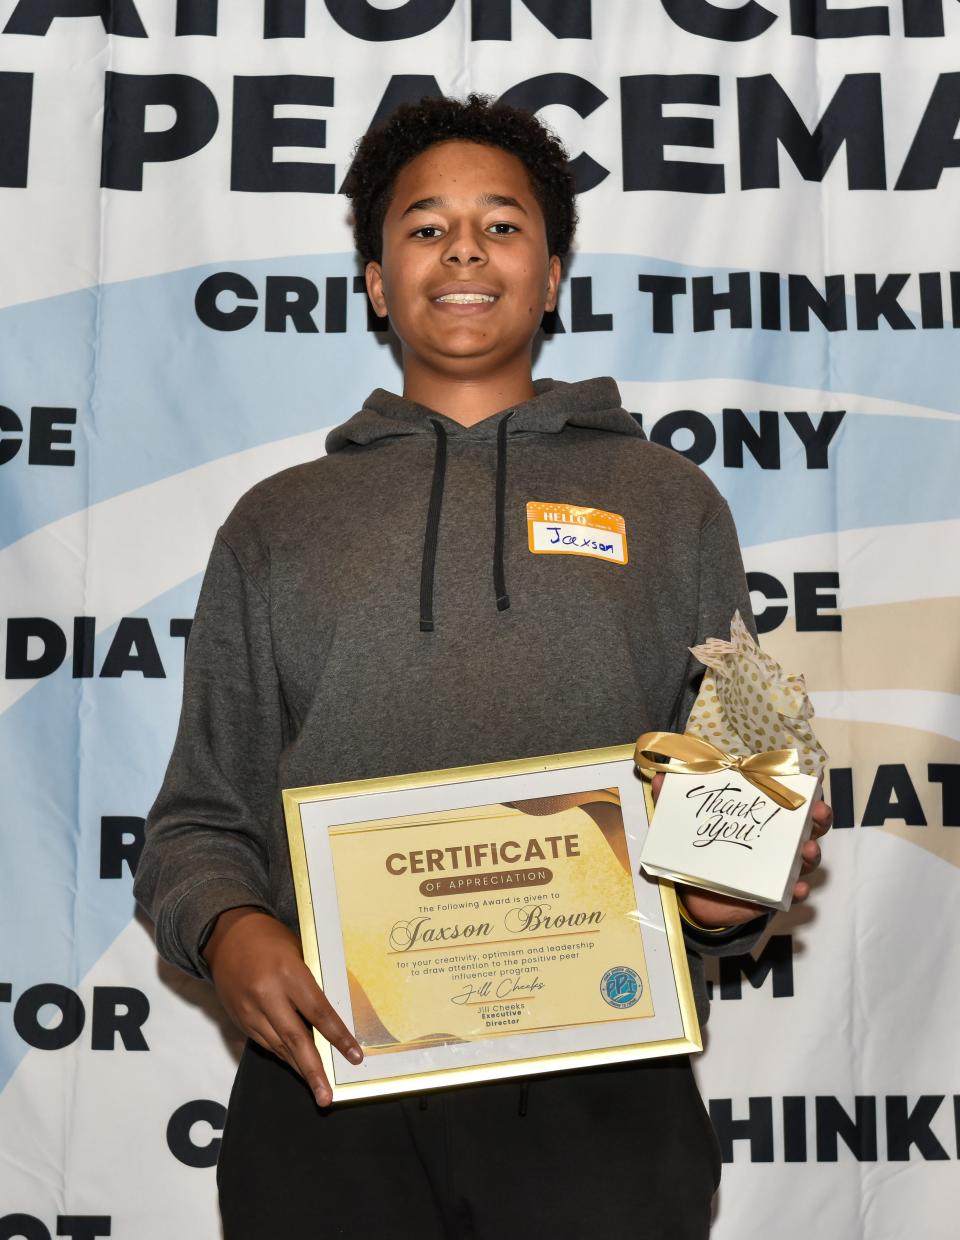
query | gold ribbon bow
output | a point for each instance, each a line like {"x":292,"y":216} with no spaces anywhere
{"x":694,"y":756}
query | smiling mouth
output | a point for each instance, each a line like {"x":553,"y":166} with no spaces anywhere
{"x":466,"y":299}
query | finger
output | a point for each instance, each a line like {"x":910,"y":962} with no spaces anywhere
{"x":266,"y":1036}
{"x":657,"y":785}
{"x":300,"y":1046}
{"x":822,"y":818}
{"x":281,"y":1040}
{"x":800,"y":891}
{"x":315,"y":1006}
{"x":811,"y":855}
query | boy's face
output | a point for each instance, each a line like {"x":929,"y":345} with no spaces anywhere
{"x":464,"y":220}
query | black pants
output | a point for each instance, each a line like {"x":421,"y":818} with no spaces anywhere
{"x":621,"y":1153}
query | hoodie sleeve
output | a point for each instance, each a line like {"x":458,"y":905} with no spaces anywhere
{"x":723,"y":590}
{"x":205,"y":848}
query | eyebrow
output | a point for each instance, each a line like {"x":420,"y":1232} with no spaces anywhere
{"x":484,"y":200}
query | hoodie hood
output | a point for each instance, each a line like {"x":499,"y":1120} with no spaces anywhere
{"x":592,"y":404}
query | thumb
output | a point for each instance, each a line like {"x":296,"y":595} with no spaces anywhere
{"x":657,"y":784}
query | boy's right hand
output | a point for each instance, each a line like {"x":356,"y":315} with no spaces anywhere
{"x":259,"y":974}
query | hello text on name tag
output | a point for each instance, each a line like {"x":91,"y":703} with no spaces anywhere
{"x":566,"y":529}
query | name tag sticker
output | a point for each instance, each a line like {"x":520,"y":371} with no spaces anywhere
{"x":565,"y":529}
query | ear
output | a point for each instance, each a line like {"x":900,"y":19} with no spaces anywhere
{"x":553,"y":283}
{"x":374,"y":278}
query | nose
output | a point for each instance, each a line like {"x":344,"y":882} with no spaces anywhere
{"x":464,"y":247}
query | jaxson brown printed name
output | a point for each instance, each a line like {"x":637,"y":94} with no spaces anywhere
{"x":469,"y":856}
{"x":519,"y":920}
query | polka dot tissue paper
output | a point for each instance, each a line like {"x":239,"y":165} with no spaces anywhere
{"x":737,"y":801}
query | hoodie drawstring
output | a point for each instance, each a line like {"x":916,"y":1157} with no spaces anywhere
{"x":433,"y":524}
{"x":428,"y":565}
{"x":499,"y":580}
{"x":522,"y":1104}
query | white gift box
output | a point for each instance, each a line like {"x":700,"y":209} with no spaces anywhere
{"x":722,"y":821}
{"x":721,"y":832}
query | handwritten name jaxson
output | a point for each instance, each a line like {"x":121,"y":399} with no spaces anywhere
{"x":723,"y":818}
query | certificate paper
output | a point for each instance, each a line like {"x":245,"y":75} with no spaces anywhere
{"x":498,"y":919}
{"x":488,"y":922}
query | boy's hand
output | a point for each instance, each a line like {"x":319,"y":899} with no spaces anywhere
{"x":268,"y":992}
{"x":709,"y":909}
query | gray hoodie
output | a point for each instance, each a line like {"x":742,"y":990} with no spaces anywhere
{"x":379,"y":611}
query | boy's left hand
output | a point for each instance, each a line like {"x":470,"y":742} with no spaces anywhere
{"x":711,"y":910}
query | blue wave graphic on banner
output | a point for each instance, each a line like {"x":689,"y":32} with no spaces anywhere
{"x":164,"y":393}
{"x":54,"y":905}
{"x":871,"y":460}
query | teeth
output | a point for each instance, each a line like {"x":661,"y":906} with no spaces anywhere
{"x":466,"y":298}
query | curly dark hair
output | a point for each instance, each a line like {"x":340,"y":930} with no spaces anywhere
{"x":414,"y":127}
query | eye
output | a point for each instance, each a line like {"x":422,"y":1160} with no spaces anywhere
{"x":426,"y":228}
{"x":504,"y":224}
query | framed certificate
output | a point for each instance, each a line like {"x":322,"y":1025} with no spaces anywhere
{"x":488,"y":922}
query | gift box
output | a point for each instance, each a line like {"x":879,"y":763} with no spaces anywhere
{"x":737,"y":800}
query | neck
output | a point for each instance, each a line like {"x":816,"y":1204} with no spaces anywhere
{"x":468,"y":400}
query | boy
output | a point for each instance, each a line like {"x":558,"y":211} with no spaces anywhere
{"x":378,"y":611}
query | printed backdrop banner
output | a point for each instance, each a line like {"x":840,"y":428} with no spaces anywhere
{"x":769,"y":265}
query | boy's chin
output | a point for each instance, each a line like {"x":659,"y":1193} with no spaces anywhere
{"x":484,"y":362}
{"x":470,"y":336}
{"x":465,"y":351}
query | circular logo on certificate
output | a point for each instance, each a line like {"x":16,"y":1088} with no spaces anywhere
{"x":621,"y":986}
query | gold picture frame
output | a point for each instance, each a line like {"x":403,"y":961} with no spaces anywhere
{"x":544,"y":853}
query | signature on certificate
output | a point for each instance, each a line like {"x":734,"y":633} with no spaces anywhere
{"x":506,"y":988}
